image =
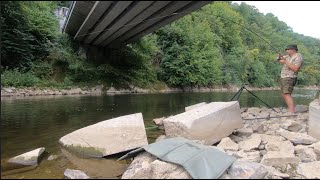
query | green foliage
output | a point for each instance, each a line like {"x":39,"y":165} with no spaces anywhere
{"x":18,"y":79}
{"x":190,"y":55}
{"x":27,"y":29}
{"x":200,"y":49}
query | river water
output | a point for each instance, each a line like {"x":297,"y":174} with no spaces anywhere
{"x":40,"y":121}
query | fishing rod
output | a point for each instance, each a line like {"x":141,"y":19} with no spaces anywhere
{"x":255,"y":34}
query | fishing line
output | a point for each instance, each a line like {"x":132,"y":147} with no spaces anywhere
{"x":253,"y":33}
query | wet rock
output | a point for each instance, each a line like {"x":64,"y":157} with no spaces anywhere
{"x":309,"y":170}
{"x":195,"y":106}
{"x":210,"y":122}
{"x":251,"y":143}
{"x":247,"y":170}
{"x":30,"y":158}
{"x":297,"y":138}
{"x":279,"y":159}
{"x":108,"y":137}
{"x":228,"y":144}
{"x":244,"y":132}
{"x":75,"y":174}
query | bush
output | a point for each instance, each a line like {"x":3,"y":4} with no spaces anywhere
{"x":18,"y":79}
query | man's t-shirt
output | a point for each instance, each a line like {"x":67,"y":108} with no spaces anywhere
{"x":297,"y":60}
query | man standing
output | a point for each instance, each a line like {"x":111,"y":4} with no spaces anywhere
{"x":292,"y":63}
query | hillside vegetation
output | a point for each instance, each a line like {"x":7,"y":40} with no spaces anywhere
{"x":202,"y":49}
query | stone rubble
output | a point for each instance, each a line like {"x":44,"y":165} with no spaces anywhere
{"x":270,"y":148}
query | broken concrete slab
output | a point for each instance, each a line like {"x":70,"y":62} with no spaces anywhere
{"x":297,"y":138}
{"x":75,"y":174}
{"x":210,"y":122}
{"x":195,"y":106}
{"x":314,"y":119}
{"x":29,"y":159}
{"x":108,"y":137}
{"x":247,"y":170}
{"x":253,"y":142}
{"x":227,"y":144}
{"x":279,"y":159}
{"x":309,"y":170}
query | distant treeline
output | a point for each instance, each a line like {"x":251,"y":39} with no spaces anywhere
{"x":200,"y":49}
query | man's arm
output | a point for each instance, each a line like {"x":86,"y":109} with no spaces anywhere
{"x":294,"y":68}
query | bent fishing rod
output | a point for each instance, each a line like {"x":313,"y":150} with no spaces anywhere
{"x":255,"y":34}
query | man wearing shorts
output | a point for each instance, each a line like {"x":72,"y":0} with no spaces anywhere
{"x":292,"y":63}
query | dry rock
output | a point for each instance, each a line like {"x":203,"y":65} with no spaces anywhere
{"x":228,"y":144}
{"x":283,"y":146}
{"x":244,"y":132}
{"x":297,"y":138}
{"x":247,"y":170}
{"x":253,"y":142}
{"x":309,"y":170}
{"x":279,"y":159}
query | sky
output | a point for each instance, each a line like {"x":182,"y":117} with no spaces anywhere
{"x":302,"y":16}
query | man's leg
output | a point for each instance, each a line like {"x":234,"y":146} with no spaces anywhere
{"x":287,"y":85}
{"x":289,"y":101}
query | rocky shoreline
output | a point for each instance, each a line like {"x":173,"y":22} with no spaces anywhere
{"x":100,"y":89}
{"x":265,"y":148}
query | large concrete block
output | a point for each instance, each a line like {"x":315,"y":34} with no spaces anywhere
{"x":195,"y":106}
{"x":314,"y":119}
{"x":209,"y":123}
{"x":108,"y":137}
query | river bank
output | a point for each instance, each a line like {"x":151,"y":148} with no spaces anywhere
{"x":100,"y":89}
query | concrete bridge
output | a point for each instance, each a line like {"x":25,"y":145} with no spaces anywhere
{"x":111,"y":24}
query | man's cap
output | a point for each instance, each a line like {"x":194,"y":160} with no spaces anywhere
{"x":292,"y":46}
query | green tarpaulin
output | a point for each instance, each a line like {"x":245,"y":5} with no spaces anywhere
{"x":201,"y":162}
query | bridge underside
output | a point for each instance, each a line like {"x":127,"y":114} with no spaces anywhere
{"x":111,"y":24}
